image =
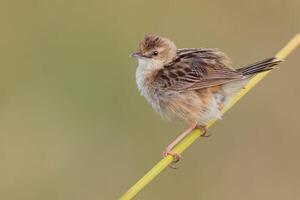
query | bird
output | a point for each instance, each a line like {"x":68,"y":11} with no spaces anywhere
{"x":193,"y":85}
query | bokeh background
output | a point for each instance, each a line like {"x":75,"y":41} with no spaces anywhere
{"x":73,"y":125}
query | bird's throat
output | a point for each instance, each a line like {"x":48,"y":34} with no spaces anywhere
{"x":145,"y":72}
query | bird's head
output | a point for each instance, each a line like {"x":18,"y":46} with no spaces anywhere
{"x":156,"y":50}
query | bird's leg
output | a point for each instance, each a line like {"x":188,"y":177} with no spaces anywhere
{"x":169,"y":148}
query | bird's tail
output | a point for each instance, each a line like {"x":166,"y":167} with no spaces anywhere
{"x":261,"y":66}
{"x":248,"y":71}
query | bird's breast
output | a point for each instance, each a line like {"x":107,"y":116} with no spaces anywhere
{"x":144,"y":80}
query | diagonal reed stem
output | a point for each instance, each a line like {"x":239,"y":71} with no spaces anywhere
{"x":184,"y":144}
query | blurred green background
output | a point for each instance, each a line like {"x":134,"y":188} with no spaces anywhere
{"x":73,"y":125}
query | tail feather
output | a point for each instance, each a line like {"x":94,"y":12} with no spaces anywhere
{"x":261,"y":66}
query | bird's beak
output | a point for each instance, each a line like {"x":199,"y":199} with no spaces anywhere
{"x":136,"y":55}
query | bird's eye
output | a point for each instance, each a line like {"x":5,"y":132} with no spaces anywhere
{"x":155,"y":53}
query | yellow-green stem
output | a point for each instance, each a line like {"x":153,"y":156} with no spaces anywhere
{"x":186,"y":142}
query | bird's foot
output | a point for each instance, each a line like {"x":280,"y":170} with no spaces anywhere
{"x":204,"y":131}
{"x":176,"y":157}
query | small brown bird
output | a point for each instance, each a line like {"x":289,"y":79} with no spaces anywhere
{"x":191,"y":84}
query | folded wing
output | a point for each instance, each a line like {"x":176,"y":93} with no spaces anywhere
{"x":195,"y":69}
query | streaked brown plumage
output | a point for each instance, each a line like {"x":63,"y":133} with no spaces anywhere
{"x":191,"y":84}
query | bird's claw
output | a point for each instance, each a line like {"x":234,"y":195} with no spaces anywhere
{"x":204,"y":131}
{"x":176,"y":157}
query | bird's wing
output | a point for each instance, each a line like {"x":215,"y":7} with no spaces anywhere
{"x":194,"y":69}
